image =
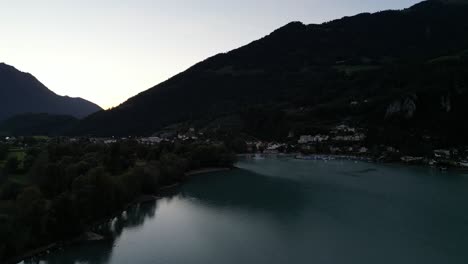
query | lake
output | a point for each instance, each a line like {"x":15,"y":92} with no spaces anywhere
{"x":283,"y":210}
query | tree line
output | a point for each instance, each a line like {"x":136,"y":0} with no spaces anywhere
{"x":61,"y":188}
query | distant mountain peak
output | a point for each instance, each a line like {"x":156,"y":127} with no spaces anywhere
{"x":294,"y":24}
{"x":438,"y":4}
{"x":291,"y":27}
{"x":450,"y":1}
{"x":6,"y":66}
{"x":21,"y":92}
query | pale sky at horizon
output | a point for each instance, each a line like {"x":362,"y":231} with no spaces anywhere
{"x":109,"y":50}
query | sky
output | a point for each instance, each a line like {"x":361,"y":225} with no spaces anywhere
{"x":107,"y":51}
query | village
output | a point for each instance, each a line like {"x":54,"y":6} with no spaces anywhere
{"x":342,"y":142}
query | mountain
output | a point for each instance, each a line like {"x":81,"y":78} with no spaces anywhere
{"x":451,"y":1}
{"x":22,"y":93}
{"x":37,"y":124}
{"x":405,"y":70}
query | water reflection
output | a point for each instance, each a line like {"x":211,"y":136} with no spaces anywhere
{"x":249,"y":191}
{"x":237,"y":190}
{"x":90,"y":253}
{"x":132,"y":218}
{"x":100,"y":252}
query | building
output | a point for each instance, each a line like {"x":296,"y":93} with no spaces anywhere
{"x":150,"y":140}
{"x":304,"y":139}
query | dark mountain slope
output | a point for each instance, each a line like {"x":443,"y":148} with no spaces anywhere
{"x":37,"y":124}
{"x":312,"y":74}
{"x":23,"y":93}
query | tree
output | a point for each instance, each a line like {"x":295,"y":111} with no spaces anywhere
{"x":211,"y":156}
{"x":132,"y":182}
{"x":12,"y":164}
{"x":97,"y":193}
{"x":65,"y":220}
{"x":28,"y":162}
{"x":3,"y":151}
{"x":237,"y":144}
{"x":29,"y":200}
{"x":173,"y":167}
{"x":151,"y":177}
{"x":53,"y":181}
{"x":6,"y":233}
{"x":31,"y":213}
{"x":9,"y":190}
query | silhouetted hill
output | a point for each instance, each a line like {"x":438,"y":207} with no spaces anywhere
{"x":22,"y":93}
{"x":405,"y":69}
{"x":37,"y":124}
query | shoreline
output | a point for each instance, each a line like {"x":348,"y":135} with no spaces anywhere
{"x":89,"y":235}
{"x":350,"y":157}
{"x":207,"y":170}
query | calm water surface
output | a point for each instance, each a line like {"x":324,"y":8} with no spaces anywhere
{"x":282,"y":210}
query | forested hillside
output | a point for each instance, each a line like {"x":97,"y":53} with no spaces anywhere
{"x":395,"y":69}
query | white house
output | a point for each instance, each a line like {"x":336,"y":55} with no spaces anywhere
{"x":151,"y":140}
{"x":442,"y":153}
{"x":304,"y":139}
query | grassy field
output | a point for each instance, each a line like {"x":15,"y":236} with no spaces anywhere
{"x":20,"y":154}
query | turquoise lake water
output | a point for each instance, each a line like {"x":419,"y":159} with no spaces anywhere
{"x":283,"y":210}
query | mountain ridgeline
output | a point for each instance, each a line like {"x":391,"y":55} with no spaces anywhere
{"x":22,"y":93}
{"x":404,"y":70}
